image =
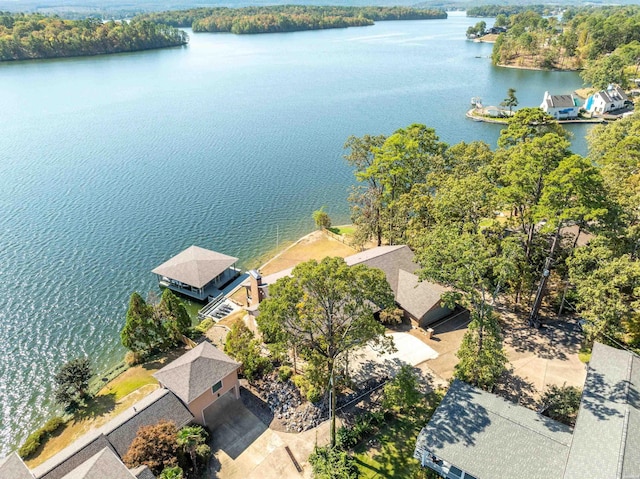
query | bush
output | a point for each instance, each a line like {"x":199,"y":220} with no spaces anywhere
{"x":171,"y":473}
{"x":308,"y":390}
{"x":364,"y":425}
{"x":561,"y":403}
{"x":133,"y":358}
{"x":284,"y":373}
{"x":154,"y":446}
{"x":204,"y":325}
{"x":328,"y":463}
{"x":37,"y":438}
{"x":203,"y":453}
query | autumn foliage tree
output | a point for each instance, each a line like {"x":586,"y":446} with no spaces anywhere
{"x":154,"y":446}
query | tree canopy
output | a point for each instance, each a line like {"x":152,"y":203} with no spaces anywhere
{"x":33,"y":36}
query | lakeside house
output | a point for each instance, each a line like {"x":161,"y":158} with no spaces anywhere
{"x":605,"y":101}
{"x":200,"y":377}
{"x":561,"y":107}
{"x":197,"y":273}
{"x":420,"y":301}
{"x":474,"y":434}
{"x":192,"y":382}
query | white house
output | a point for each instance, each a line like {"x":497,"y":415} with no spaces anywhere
{"x":604,"y":101}
{"x":561,"y":107}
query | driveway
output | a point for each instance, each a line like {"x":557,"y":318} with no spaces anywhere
{"x":245,"y":448}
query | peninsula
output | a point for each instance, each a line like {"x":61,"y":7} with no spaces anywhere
{"x":33,"y":36}
{"x":286,"y":18}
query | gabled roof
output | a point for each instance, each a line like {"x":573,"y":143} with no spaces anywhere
{"x":142,"y":472}
{"x":606,"y":439}
{"x":390,"y":259}
{"x":561,"y":101}
{"x":117,"y":434}
{"x":195,"y":266}
{"x":159,"y":405}
{"x":12,"y":467}
{"x":194,"y":372}
{"x":489,"y":437}
{"x":615,"y":93}
{"x":72,"y":456}
{"x":417,"y":297}
{"x":105,"y":464}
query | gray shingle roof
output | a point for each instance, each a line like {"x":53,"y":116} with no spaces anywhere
{"x":491,"y":438}
{"x":12,"y":467}
{"x":417,"y":297}
{"x":117,"y":434}
{"x":142,"y":472}
{"x":561,"y":101}
{"x":606,"y":439}
{"x":71,"y":457}
{"x":195,"y":266}
{"x":194,"y":372}
{"x":159,"y":405}
{"x":390,"y":259}
{"x":104,"y":465}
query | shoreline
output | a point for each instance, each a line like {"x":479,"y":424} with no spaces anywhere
{"x":505,"y":121}
{"x":540,"y":69}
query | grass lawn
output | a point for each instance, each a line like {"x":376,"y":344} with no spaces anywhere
{"x":344,"y":230}
{"x":392,"y":454}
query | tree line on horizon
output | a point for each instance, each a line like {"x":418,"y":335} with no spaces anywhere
{"x":34,"y":36}
{"x":285,"y":18}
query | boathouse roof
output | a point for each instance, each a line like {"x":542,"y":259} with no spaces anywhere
{"x":196,"y":371}
{"x":195,"y":266}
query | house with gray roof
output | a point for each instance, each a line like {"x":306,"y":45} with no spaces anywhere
{"x":105,"y":464}
{"x":419,"y":300}
{"x":199,"y":377}
{"x":477,"y":435}
{"x":12,"y":467}
{"x":605,"y":101}
{"x":116,"y":435}
{"x":561,"y":107}
{"x":197,"y":272}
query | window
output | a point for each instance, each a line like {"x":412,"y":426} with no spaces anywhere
{"x":454,"y":473}
{"x":216,"y":387}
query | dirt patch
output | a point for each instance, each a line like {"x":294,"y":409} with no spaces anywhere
{"x":316,"y":245}
{"x":217,"y":334}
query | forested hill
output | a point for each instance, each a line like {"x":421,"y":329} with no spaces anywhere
{"x":33,"y":36}
{"x":285,"y":18}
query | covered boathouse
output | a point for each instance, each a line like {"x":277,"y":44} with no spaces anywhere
{"x":197,"y":272}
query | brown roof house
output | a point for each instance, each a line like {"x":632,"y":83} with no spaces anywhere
{"x":12,"y":467}
{"x":197,"y":272}
{"x":199,"y":377}
{"x":420,"y":300}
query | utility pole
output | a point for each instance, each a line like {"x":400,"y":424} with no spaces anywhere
{"x":533,"y":317}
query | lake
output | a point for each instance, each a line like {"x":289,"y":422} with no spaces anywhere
{"x":110,"y":165}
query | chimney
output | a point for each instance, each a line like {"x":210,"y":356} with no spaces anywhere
{"x":255,"y":281}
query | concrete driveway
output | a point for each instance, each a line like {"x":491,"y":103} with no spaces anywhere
{"x":366,"y":362}
{"x":245,"y":448}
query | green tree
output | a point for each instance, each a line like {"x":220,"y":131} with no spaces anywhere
{"x":327,"y":308}
{"x":511,"y":101}
{"x":527,"y":124}
{"x":604,"y":71}
{"x":467,"y":262}
{"x":403,"y":393}
{"x":141,"y":333}
{"x":561,"y":403}
{"x":173,"y":315}
{"x":72,"y":382}
{"x":321,"y":218}
{"x":331,"y":463}
{"x":171,"y":473}
{"x":242,"y":346}
{"x":189,"y":438}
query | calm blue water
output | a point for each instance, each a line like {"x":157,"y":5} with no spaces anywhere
{"x":110,"y":165}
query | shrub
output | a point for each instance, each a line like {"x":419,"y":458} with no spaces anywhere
{"x":37,"y":438}
{"x":284,"y":373}
{"x":391,"y":316}
{"x":203,"y":453}
{"x":133,"y":358}
{"x":171,"y":473}
{"x":155,"y":446}
{"x":331,"y":463}
{"x":561,"y":403}
{"x":308,"y":390}
{"x":204,"y":325}
{"x":242,"y":346}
